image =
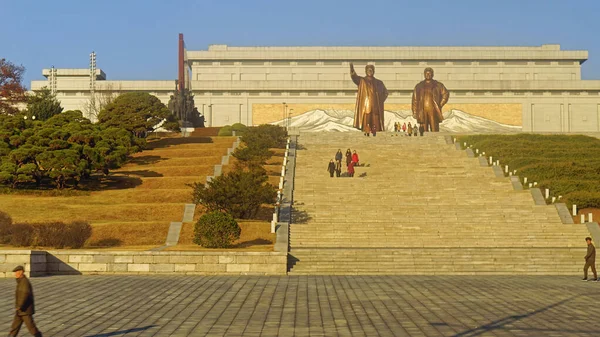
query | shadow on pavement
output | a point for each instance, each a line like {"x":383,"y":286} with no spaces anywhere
{"x":122,"y":332}
{"x":501,"y":324}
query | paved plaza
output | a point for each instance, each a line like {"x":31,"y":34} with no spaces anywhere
{"x":310,"y":306}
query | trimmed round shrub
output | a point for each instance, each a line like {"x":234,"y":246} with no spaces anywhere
{"x":226,"y":131}
{"x":5,"y":227}
{"x":216,"y":230}
{"x":21,"y":234}
{"x":239,"y":129}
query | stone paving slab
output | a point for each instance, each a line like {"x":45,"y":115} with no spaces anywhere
{"x":310,"y":306}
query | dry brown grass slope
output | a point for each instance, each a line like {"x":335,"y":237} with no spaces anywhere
{"x":136,"y":204}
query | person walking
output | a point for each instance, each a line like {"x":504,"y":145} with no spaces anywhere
{"x":338,"y":168}
{"x":331,"y":168}
{"x":404,"y":127}
{"x":339,"y":156}
{"x":415,"y":130}
{"x":422,"y":129}
{"x":355,"y":158}
{"x":351,"y":169}
{"x":409,"y":129}
{"x":348,"y":157}
{"x":25,"y":307}
{"x":590,"y":260}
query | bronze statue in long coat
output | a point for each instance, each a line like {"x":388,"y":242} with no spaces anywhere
{"x":429,"y":96}
{"x":368,"y":113}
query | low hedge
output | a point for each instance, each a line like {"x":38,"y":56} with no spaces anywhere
{"x":53,"y":234}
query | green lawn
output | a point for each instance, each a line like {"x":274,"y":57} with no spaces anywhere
{"x":567,"y":165}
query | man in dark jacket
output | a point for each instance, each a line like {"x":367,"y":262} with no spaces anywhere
{"x":24,"y":305}
{"x":331,"y":168}
{"x":590,"y":260}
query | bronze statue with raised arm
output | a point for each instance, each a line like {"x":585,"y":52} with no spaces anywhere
{"x":368,"y":114}
{"x":428,"y":98}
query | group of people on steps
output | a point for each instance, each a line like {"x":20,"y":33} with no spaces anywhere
{"x":335,"y":167}
{"x":410,"y":130}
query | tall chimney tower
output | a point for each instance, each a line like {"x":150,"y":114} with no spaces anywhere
{"x":181,"y":77}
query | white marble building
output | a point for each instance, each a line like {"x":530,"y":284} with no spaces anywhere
{"x":537,"y":88}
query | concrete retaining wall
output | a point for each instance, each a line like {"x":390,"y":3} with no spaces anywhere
{"x":75,"y":262}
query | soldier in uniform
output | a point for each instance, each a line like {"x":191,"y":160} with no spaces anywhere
{"x":24,"y":305}
{"x":429,"y":96}
{"x":590,"y":260}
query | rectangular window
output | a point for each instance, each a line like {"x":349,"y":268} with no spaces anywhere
{"x":280,"y":63}
{"x":307,"y":63}
{"x":227,"y":63}
{"x":410,"y":63}
{"x":332,"y":63}
{"x":488,"y":63}
{"x":515,"y":63}
{"x":253,"y":63}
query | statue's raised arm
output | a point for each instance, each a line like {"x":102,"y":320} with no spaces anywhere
{"x":355,"y":77}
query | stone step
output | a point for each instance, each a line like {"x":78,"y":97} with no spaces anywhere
{"x":438,"y":260}
{"x":419,"y":206}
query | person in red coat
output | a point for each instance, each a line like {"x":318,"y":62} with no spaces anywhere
{"x":355,"y":158}
{"x":351,"y":169}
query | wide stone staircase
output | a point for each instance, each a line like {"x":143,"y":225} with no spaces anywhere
{"x":416,"y":205}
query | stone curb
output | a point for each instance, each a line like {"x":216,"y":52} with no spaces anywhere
{"x":516,"y":183}
{"x":537,"y":196}
{"x":282,"y":243}
{"x":594,"y":230}
{"x":564,"y":213}
{"x":498,"y":171}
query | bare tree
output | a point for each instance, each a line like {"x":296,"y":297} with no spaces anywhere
{"x":99,"y":100}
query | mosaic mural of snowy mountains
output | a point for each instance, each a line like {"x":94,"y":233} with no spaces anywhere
{"x":342,"y":120}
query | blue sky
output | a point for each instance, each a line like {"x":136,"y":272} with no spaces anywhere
{"x":138,"y":39}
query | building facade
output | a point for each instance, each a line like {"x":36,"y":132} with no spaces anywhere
{"x":537,"y":88}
